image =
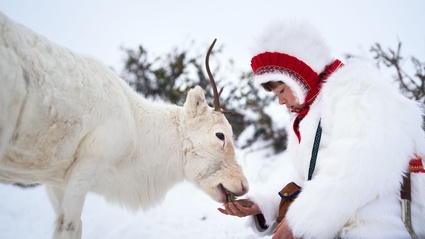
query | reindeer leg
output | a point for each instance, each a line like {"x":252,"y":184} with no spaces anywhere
{"x":55,"y":194}
{"x":95,"y":152}
{"x":71,"y":199}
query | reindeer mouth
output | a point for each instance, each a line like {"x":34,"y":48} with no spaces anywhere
{"x":226,"y":195}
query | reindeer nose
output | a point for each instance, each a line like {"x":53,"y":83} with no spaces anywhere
{"x":244,"y":187}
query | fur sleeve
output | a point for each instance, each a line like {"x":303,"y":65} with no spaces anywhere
{"x":268,"y":205}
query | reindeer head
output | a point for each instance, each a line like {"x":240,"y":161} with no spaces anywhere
{"x":210,"y":154}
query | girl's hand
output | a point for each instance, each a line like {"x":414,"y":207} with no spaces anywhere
{"x":282,"y":231}
{"x":240,"y":208}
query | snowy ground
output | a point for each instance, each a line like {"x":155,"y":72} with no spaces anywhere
{"x":185,"y":212}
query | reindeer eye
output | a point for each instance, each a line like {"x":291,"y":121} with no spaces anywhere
{"x":220,"y":136}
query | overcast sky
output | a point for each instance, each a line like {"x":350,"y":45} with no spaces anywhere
{"x":100,"y":27}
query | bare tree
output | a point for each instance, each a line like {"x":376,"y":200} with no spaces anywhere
{"x":169,"y":77}
{"x":411,"y":84}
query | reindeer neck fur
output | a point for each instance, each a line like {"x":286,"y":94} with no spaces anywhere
{"x":144,"y":178}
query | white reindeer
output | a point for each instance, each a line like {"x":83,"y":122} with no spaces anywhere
{"x":71,"y":123}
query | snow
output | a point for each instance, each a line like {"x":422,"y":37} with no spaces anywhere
{"x":186,"y":212}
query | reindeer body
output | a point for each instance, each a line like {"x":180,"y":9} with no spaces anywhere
{"x":70,"y":122}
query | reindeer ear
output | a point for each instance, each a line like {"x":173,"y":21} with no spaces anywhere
{"x":195,"y":102}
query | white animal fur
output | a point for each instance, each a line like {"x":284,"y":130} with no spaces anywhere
{"x":71,"y":123}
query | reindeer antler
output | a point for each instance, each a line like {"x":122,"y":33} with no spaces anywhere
{"x":214,"y":86}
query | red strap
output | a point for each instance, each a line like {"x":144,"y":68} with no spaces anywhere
{"x":331,"y":68}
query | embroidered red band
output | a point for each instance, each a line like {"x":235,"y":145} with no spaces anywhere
{"x":416,"y":166}
{"x":276,"y":62}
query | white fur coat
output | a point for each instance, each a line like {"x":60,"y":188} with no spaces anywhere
{"x":370,"y":132}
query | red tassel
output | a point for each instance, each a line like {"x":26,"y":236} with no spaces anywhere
{"x":416,"y":166}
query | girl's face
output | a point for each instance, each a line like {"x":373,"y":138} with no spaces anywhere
{"x":287,"y":97}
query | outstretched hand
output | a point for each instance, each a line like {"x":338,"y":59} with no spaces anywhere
{"x":240,"y":208}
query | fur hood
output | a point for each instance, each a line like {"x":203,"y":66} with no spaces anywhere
{"x":293,"y":52}
{"x":370,"y":132}
{"x":297,"y":38}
